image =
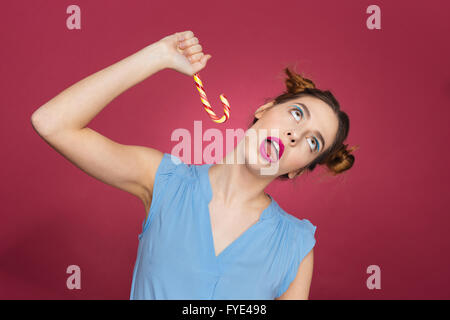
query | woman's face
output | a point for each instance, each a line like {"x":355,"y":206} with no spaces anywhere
{"x":306,"y":127}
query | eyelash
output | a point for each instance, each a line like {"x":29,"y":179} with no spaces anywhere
{"x":317,"y":147}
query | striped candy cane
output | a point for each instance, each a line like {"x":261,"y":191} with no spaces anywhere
{"x":207,"y":106}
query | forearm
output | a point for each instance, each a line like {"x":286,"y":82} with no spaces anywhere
{"x":77,"y":105}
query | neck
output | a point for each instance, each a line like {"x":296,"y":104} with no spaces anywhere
{"x":235,"y":184}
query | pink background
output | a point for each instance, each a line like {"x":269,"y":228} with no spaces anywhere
{"x":391,"y":209}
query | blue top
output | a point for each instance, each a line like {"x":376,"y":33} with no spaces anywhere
{"x":176,"y":259}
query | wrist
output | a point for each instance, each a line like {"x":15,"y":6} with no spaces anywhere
{"x":157,"y":54}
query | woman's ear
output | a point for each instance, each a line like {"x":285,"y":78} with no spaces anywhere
{"x":260,"y":111}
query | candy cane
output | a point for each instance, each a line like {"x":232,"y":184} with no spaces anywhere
{"x":207,"y":106}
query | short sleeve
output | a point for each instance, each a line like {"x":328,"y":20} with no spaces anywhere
{"x":303,"y":244}
{"x":169,"y":167}
{"x":307,"y":239}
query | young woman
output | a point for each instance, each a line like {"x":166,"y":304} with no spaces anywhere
{"x":210,"y":231}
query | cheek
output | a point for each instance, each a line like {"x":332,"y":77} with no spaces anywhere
{"x":297,"y":157}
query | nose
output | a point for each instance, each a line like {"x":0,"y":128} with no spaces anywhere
{"x":292,"y":137}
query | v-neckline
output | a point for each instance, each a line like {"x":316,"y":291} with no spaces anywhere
{"x":265,"y":214}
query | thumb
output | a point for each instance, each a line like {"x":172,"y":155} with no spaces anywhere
{"x":200,"y":65}
{"x":205,"y":59}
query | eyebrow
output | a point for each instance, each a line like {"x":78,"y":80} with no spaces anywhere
{"x":308,"y":116}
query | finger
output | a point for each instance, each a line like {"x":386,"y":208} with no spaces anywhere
{"x":193,"y":50}
{"x":188,"y":43}
{"x":196,"y":57}
{"x":181,"y":36}
{"x":205,"y":58}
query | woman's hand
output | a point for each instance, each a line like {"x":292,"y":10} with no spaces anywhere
{"x":184,"y":53}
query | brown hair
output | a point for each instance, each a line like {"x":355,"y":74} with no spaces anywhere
{"x":337,"y":158}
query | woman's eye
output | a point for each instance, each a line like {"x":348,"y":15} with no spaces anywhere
{"x":297,"y":111}
{"x":315,"y":145}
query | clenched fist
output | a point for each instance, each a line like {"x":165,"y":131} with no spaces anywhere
{"x":184,"y":53}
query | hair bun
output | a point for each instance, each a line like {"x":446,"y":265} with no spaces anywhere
{"x":341,"y":160}
{"x":295,"y":83}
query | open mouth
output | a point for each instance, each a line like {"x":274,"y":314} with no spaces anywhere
{"x":272,"y":149}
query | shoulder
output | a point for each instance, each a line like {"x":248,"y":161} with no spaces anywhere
{"x":305,"y":236}
{"x":305,"y":227}
{"x":171,"y":173}
{"x":302,"y":227}
{"x":302,"y":233}
{"x":172,"y":165}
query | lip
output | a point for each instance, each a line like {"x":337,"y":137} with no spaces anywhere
{"x":263,"y":148}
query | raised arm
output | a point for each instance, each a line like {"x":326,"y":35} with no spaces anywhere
{"x":62,"y":121}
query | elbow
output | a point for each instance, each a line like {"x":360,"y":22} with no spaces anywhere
{"x":41,"y":123}
{"x":36,"y":122}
